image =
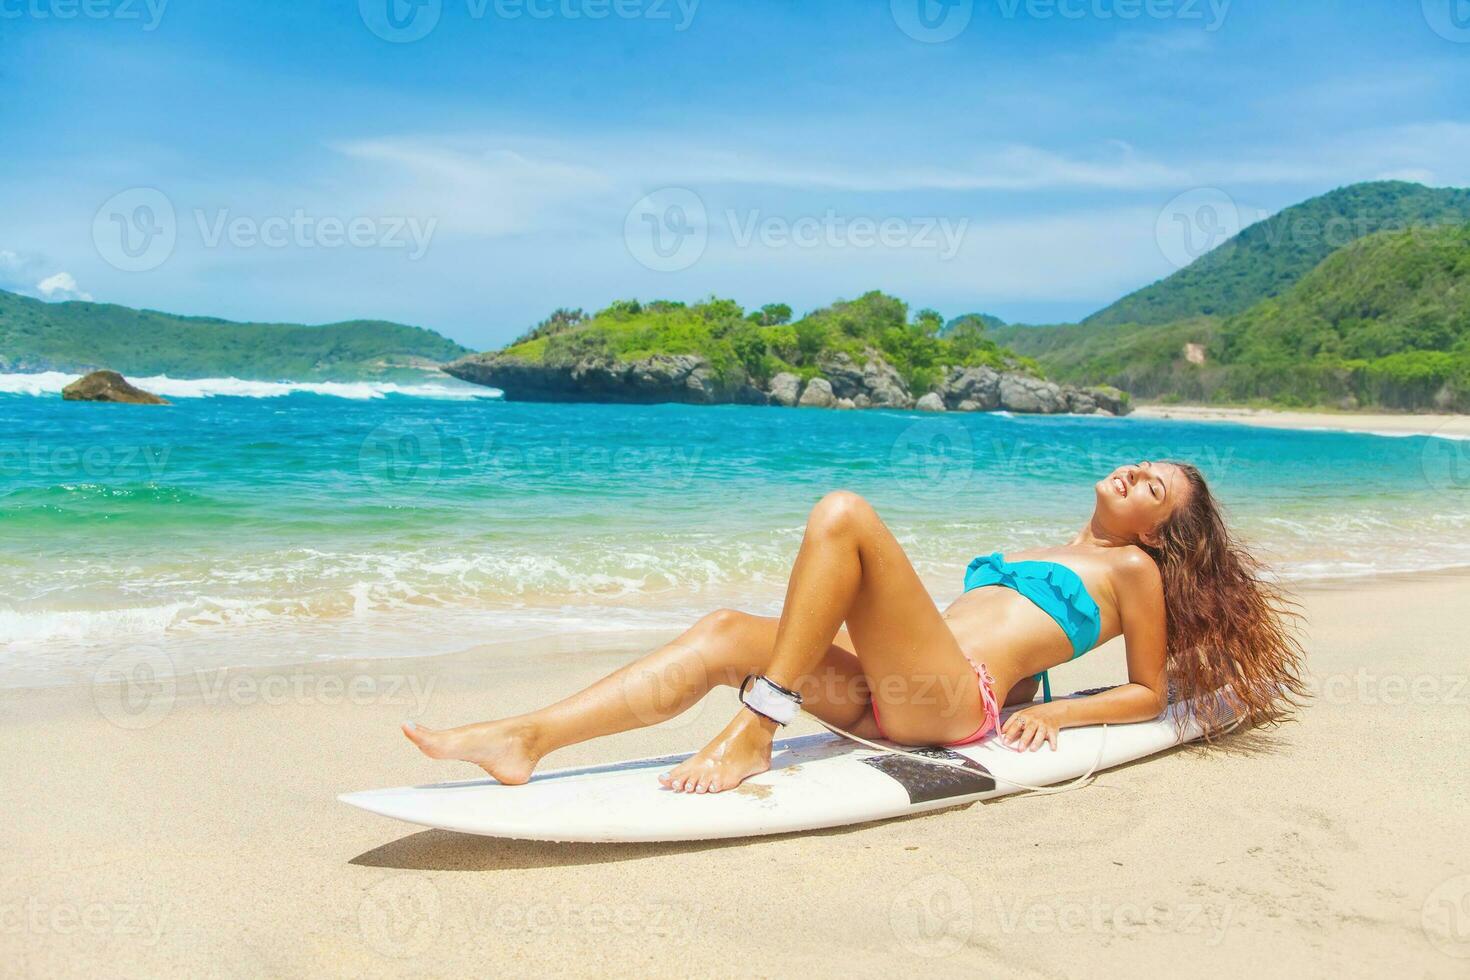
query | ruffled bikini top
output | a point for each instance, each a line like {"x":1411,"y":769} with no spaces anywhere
{"x":1055,"y":589}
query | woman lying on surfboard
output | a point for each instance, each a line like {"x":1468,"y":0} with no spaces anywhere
{"x":861,"y":644}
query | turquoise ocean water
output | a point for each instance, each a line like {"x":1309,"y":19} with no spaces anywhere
{"x":252,"y":524}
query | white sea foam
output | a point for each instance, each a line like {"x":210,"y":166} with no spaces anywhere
{"x":51,"y":383}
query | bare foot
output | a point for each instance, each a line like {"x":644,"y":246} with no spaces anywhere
{"x":505,"y":749}
{"x":742,"y":750}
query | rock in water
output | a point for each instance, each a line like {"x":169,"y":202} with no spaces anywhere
{"x":971,"y":389}
{"x":108,"y":386}
{"x":1019,"y":393}
{"x":785,"y":389}
{"x":818,"y":394}
{"x":931,"y":402}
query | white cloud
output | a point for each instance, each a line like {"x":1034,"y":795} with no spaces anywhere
{"x":61,"y":286}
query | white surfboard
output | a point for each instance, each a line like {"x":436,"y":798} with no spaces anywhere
{"x":815,"y":781}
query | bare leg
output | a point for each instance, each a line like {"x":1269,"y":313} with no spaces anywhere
{"x":721,"y":649}
{"x":850,"y":568}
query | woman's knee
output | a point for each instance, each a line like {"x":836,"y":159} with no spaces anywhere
{"x":839,"y":512}
{"x":723,"y":623}
{"x":731,"y":645}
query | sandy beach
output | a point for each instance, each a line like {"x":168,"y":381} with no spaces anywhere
{"x":191,"y":827}
{"x":1447,"y":426}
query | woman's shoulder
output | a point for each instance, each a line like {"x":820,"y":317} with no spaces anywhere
{"x":1131,"y":564}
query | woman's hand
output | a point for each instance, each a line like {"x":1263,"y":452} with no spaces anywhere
{"x":1030,"y":728}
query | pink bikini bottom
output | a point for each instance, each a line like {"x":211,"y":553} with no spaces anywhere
{"x":988,"y":725}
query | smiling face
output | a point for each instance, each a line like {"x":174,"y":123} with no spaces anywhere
{"x":1134,"y":501}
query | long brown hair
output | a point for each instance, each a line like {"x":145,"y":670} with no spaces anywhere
{"x":1228,"y":624}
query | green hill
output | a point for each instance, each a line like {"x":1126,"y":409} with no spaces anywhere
{"x":1270,"y":256}
{"x":1383,"y":321}
{"x":37,"y":336}
{"x":737,"y":343}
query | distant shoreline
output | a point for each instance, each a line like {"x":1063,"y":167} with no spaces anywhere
{"x":1421,"y":424}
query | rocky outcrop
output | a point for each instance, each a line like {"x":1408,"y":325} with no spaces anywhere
{"x":108,"y":386}
{"x":785,"y":389}
{"x":971,"y":389}
{"x":841,"y":382}
{"x":599,"y":378}
{"x":1021,"y":393}
{"x":818,"y":394}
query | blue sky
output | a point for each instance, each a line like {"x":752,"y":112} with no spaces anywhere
{"x":1031,"y":158}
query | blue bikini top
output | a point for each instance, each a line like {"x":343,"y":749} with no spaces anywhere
{"x":1055,"y":589}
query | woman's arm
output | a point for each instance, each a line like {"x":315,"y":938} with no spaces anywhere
{"x":1140,"y":592}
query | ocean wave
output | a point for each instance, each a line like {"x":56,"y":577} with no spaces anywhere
{"x":51,"y":383}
